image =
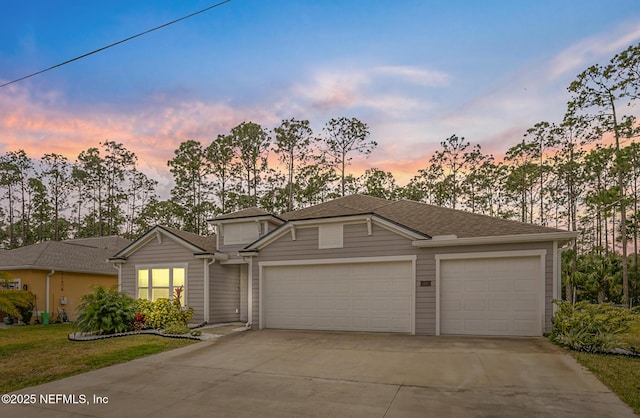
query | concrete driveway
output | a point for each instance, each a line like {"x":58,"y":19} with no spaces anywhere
{"x":291,"y":374}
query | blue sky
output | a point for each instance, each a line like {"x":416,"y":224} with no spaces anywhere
{"x":416,"y":71}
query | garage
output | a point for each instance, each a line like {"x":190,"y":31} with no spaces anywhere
{"x":336,"y":295}
{"x":491,"y":295}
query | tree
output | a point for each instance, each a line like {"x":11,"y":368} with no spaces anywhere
{"x":601,"y":194}
{"x":602,"y":90}
{"x":221,"y":156}
{"x":314,"y":183}
{"x":344,"y":137}
{"x":453,"y":159}
{"x":118,"y":163}
{"x":379,"y":183}
{"x":252,"y":144}
{"x":56,"y":175}
{"x":15,"y":170}
{"x":190,"y":168}
{"x":89,"y":177}
{"x":293,"y":145}
{"x":475,"y":162}
{"x":141,"y":193}
{"x":39,"y":211}
{"x":9,"y":179}
{"x":523,"y":174}
{"x":542,"y":136}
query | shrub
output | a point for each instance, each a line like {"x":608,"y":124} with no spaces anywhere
{"x":138,"y":322}
{"x":105,"y":311}
{"x":17,"y":303}
{"x":592,"y":328}
{"x":165,"y":312}
{"x":176,"y":328}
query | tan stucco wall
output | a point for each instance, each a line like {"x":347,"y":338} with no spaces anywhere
{"x":70,"y":285}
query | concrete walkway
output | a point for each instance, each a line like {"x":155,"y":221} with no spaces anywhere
{"x":317,"y":374}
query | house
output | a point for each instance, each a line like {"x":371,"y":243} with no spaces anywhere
{"x":58,"y":273}
{"x":358,"y":263}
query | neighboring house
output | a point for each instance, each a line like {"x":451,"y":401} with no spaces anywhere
{"x":361,"y":263}
{"x":58,"y":273}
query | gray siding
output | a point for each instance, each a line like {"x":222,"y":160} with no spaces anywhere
{"x":357,"y":243}
{"x":168,"y":252}
{"x":233,"y":249}
{"x":224,"y":293}
{"x":382,"y":242}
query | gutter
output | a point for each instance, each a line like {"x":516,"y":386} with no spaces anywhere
{"x":214,"y":256}
{"x":452,"y":240}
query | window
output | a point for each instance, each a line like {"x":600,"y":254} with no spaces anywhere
{"x":12,"y":284}
{"x":241,"y":233}
{"x":160,"y":282}
{"x":330,"y":236}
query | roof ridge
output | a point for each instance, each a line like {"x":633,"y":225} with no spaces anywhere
{"x":44,"y":245}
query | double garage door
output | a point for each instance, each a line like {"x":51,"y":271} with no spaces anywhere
{"x":371,"y":296}
{"x":477,"y":296}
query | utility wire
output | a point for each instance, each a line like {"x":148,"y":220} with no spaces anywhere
{"x":115,"y":43}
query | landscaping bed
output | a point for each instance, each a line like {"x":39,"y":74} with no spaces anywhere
{"x":620,"y":373}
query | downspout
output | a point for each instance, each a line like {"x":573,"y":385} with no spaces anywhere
{"x":250,"y":293}
{"x":47,"y":286}
{"x":118,"y":267}
{"x":207,"y":263}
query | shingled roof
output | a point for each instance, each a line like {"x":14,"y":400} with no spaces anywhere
{"x":426,"y":219}
{"x":199,"y":244}
{"x":83,"y":255}
{"x":244,"y":213}
{"x":206,"y":243}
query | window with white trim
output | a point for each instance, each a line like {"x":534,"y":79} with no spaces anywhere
{"x":160,"y":282}
{"x":12,"y":284}
{"x":330,"y":236}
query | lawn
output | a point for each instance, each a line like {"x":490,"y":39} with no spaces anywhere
{"x":36,"y":354}
{"x":621,"y":374}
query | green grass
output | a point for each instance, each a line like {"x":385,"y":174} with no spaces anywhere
{"x":36,"y":354}
{"x":621,"y":374}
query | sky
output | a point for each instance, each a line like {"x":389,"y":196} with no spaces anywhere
{"x":416,"y":72}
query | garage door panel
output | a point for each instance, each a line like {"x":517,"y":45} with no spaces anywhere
{"x":499,"y":305}
{"x":374,"y":296}
{"x":490,"y":296}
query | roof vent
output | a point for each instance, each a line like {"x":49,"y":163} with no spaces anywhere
{"x":443,"y":237}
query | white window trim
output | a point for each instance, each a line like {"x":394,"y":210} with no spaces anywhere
{"x":149,"y":267}
{"x":13,"y":284}
{"x":495,"y":254}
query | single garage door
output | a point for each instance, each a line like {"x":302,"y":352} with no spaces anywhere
{"x":491,"y":296}
{"x":371,"y":296}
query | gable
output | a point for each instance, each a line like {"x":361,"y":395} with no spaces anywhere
{"x":193,"y":243}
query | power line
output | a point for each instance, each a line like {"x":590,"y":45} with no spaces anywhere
{"x":115,"y":43}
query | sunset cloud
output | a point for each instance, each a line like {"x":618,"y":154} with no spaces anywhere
{"x":599,"y":48}
{"x":411,"y":91}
